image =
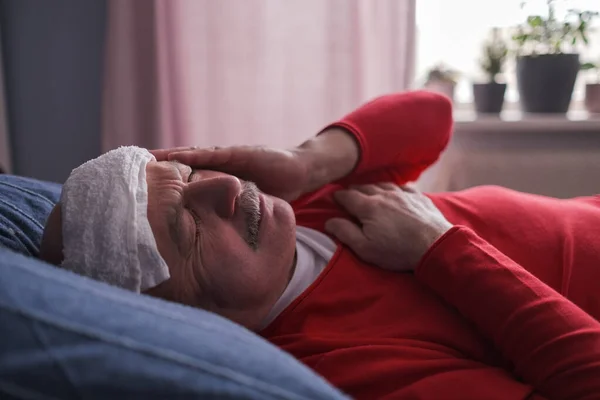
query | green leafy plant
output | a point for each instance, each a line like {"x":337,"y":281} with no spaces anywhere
{"x":546,"y":34}
{"x":442,"y":73}
{"x":495,"y":52}
{"x":590,"y":66}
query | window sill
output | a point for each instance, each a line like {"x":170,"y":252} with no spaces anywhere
{"x":513,"y":120}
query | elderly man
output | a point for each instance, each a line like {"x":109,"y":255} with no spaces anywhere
{"x":487,"y":313}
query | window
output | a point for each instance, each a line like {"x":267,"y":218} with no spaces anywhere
{"x":452,"y":32}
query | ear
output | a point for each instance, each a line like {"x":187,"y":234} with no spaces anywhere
{"x":51,"y":248}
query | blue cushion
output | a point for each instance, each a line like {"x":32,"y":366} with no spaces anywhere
{"x":65,"y":336}
{"x":24,"y":207}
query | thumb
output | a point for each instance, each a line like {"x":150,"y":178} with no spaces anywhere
{"x":346,"y":231}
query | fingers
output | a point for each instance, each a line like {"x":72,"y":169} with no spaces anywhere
{"x":409,"y":188}
{"x":193,"y":155}
{"x":355,"y":202}
{"x":347,"y":232}
{"x":212,"y":157}
{"x":369,"y":190}
{"x":373,"y":189}
{"x":162,"y":154}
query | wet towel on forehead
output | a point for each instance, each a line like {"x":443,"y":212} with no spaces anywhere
{"x":105,"y":227}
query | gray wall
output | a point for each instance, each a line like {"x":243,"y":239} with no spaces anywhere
{"x":53,"y":53}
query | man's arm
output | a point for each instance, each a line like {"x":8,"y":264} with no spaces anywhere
{"x":327,"y":157}
{"x":390,"y":139}
{"x":553,"y":344}
{"x":396,"y":136}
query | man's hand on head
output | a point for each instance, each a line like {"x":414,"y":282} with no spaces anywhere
{"x":397,"y":224}
{"x":277,"y":172}
{"x":287,"y":174}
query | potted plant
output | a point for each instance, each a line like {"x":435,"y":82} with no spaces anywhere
{"x":442,"y":79}
{"x":489,"y":97}
{"x":547,"y":58}
{"x":592,"y":90}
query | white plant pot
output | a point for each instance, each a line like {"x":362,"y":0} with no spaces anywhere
{"x":592,"y":98}
{"x":444,"y":87}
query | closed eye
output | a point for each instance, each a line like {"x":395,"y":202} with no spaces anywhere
{"x":197,"y":221}
{"x":190,"y":176}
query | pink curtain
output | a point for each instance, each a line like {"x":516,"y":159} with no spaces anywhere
{"x":224,"y":72}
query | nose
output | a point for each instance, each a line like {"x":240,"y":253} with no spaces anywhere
{"x":217,"y":193}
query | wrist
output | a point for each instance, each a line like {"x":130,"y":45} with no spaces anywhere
{"x":330,"y":156}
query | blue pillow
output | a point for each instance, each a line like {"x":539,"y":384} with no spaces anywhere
{"x":24,"y":207}
{"x":64,"y":336}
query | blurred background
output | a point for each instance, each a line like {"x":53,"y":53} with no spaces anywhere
{"x":453,"y":32}
{"x":80,"y":77}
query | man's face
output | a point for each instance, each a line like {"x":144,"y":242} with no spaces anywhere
{"x":230,"y":248}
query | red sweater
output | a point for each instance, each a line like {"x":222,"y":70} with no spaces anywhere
{"x":484,"y":316}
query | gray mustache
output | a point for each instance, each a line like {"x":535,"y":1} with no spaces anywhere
{"x":249,"y":203}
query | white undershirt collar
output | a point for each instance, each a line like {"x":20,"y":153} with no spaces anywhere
{"x":314,"y":250}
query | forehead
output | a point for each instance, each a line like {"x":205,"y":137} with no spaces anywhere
{"x":166,"y":169}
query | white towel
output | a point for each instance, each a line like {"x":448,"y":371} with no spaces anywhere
{"x":105,"y":227}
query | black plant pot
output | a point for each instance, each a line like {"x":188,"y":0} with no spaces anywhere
{"x":489,"y":97}
{"x":546,"y":82}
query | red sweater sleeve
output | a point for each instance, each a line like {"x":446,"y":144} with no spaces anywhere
{"x":403,"y":133}
{"x":553,"y":344}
